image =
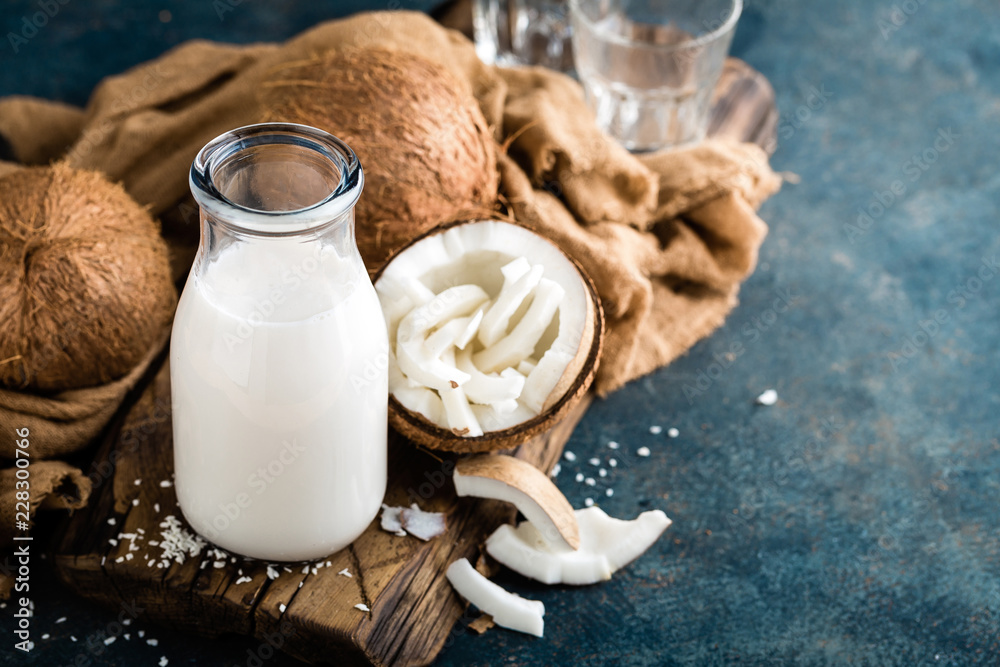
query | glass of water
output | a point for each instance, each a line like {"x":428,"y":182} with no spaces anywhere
{"x":649,"y":66}
{"x":523,"y":32}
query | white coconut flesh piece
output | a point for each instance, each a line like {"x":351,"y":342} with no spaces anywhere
{"x":511,"y":304}
{"x":606,"y":545}
{"x":458,"y":332}
{"x":518,"y":345}
{"x":458,"y":413}
{"x":422,"y":525}
{"x":516,"y":481}
{"x":508,"y":610}
{"x":411,"y":351}
{"x":421,"y":400}
{"x":488,"y":389}
{"x":391,"y":520}
{"x":518,"y":284}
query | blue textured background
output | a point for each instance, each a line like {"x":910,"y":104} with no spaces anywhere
{"x":855,"y":522}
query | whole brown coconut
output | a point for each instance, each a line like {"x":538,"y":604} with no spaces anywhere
{"x":85,"y":284}
{"x":427,"y":152}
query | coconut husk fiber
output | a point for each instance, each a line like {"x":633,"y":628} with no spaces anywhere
{"x":667,"y":238}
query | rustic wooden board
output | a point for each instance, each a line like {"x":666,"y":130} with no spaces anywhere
{"x":311,"y":612}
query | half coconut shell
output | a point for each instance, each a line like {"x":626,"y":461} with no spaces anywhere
{"x":568,"y":391}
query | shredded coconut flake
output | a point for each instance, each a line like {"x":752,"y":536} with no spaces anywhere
{"x":613,"y":463}
{"x":422,"y":525}
{"x":655,"y":429}
{"x":569,"y":456}
{"x":178,"y":543}
{"x":643,"y":451}
{"x":110,"y":640}
{"x":345,"y":573}
{"x":673,"y":433}
{"x":166,"y":483}
{"x":613,"y":445}
{"x":282,"y":608}
{"x":243,"y":580}
{"x":362,"y":607}
{"x":602,"y":472}
{"x":272,"y":572}
{"x":579,"y":477}
{"x":556,"y":469}
{"x":590,"y":481}
{"x":112,"y":521}
{"x":589,"y":502}
{"x":152,"y":642}
{"x":62,"y":619}
{"x":163,"y":661}
{"x":609,"y":493}
{"x":138,"y":482}
{"x":769,"y":397}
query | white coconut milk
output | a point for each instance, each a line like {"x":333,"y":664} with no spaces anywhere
{"x":279,"y":399}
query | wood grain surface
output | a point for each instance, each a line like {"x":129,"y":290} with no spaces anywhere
{"x":309,"y":610}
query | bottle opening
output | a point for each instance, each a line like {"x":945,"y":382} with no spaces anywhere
{"x":276,"y":178}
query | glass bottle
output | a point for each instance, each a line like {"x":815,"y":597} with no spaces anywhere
{"x":279,"y":350}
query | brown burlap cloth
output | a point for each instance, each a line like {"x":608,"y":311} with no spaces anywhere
{"x":667,"y":238}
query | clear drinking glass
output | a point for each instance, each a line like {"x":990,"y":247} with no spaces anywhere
{"x":523,"y":32}
{"x":278,"y":360}
{"x":649,"y":66}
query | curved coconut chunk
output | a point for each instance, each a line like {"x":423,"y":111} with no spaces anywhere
{"x":423,"y":401}
{"x":507,"y":609}
{"x":457,"y":332}
{"x":526,"y":366}
{"x":414,"y":359}
{"x":513,"y":293}
{"x":514,"y":269}
{"x":486,"y":389}
{"x":445,"y":336}
{"x":505,"y":407}
{"x":459,"y":416}
{"x":527,"y":488}
{"x":520,"y":343}
{"x":545,"y":376}
{"x":471,"y":327}
{"x":418,"y":292}
{"x":493,"y":419}
{"x":606,"y":545}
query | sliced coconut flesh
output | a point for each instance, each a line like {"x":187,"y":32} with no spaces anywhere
{"x":489,"y":308}
{"x":414,"y":359}
{"x":606,"y":545}
{"x":507,"y":609}
{"x":526,"y":487}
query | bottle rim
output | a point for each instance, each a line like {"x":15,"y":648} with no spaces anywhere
{"x":258,"y":222}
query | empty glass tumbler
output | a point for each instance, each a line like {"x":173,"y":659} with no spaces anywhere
{"x":523,"y":32}
{"x":649,"y":67}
